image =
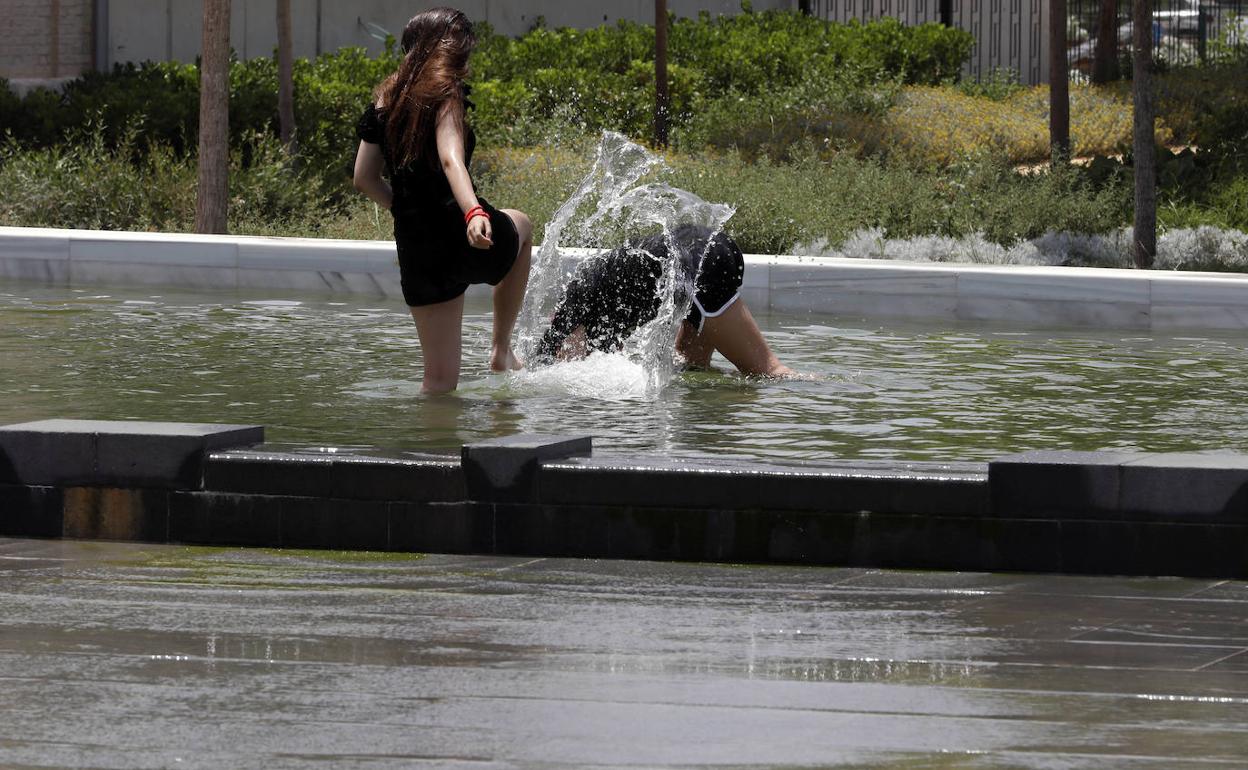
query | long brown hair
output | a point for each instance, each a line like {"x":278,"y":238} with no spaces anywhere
{"x":436,"y":44}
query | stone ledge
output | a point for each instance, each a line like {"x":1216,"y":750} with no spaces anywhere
{"x":1102,"y":513}
{"x":114,"y":453}
{"x":340,"y":475}
{"x":1163,"y":487}
{"x":1042,"y":297}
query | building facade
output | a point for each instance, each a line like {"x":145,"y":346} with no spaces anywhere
{"x":46,"y":39}
{"x":42,"y":41}
{"x":54,"y":39}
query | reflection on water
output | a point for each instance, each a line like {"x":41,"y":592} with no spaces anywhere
{"x":323,"y":372}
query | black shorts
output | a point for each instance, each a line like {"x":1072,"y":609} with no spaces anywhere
{"x":437,"y":264}
{"x":718,"y":282}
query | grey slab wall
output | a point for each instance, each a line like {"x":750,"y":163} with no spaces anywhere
{"x":549,"y":496}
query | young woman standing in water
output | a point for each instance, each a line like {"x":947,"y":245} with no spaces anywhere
{"x":446,"y":236}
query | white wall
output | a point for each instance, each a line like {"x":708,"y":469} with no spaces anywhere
{"x":140,"y":30}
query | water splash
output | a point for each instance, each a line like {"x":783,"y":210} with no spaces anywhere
{"x":610,"y":206}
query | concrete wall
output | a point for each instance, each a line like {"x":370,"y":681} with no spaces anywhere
{"x":140,"y":30}
{"x":833,"y":287}
{"x":45,"y":38}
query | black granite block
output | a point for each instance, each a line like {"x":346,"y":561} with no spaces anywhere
{"x":398,"y":479}
{"x":805,"y":538}
{"x":878,"y":539}
{"x":269,"y":473}
{"x":548,"y":530}
{"x":955,"y":543}
{"x":111,"y":513}
{"x":506,"y":469}
{"x":1072,"y":484}
{"x":1155,"y":548}
{"x":36,"y":454}
{"x":342,"y":525}
{"x":30,"y":511}
{"x":1020,"y":545}
{"x":661,"y":484}
{"x":1186,"y":487}
{"x":214,"y":518}
{"x":859,"y":489}
{"x":737,"y":535}
{"x":442,"y":527}
{"x":657,"y":533}
{"x":115,"y":453}
{"x":165,"y":454}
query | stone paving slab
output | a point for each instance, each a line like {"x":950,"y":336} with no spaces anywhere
{"x":143,"y":656}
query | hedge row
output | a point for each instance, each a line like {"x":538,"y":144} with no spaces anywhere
{"x":590,"y":79}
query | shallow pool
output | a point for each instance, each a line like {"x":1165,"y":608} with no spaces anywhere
{"x":333,"y":372}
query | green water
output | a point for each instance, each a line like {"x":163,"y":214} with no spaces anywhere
{"x":326,"y":372}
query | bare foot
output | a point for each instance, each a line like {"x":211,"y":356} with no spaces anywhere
{"x":504,"y":361}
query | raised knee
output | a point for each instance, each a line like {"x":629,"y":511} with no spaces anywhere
{"x":524,"y":225}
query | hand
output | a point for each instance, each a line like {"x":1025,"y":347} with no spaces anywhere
{"x":480,"y":235}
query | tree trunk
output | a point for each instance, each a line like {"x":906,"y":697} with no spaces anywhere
{"x":285,"y":77}
{"x":214,"y":120}
{"x":661,"y":98}
{"x":1105,"y":58}
{"x":1059,"y":84}
{"x":1144,"y":246}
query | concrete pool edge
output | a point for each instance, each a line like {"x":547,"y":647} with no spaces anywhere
{"x":836,"y":287}
{"x":1074,"y":512}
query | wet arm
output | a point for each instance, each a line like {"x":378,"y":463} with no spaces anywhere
{"x":450,"y":135}
{"x":369,"y":163}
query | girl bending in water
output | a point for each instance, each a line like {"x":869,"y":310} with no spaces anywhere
{"x":447,"y":237}
{"x":615,"y":293}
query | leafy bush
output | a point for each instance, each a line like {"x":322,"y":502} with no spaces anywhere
{"x":811,"y":198}
{"x":87,"y":184}
{"x":525,"y":87}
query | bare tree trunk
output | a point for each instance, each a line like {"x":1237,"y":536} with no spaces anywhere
{"x":1105,"y":58}
{"x":1059,"y":84}
{"x":662,"y":100}
{"x":285,"y":77}
{"x":1144,"y":247}
{"x":214,"y":120}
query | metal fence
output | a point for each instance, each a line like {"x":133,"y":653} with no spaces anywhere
{"x":1184,"y":31}
{"x":1013,"y":34}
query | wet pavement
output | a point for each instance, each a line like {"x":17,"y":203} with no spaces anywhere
{"x":140,"y":656}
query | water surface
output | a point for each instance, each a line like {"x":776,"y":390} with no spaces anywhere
{"x":345,"y":372}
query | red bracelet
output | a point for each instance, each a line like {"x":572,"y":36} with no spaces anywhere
{"x":476,"y":211}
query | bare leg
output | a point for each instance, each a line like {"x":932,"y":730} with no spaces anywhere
{"x":737,"y":337}
{"x":509,"y":296}
{"x":440,"y":329}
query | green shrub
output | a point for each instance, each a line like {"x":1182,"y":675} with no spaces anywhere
{"x":525,"y":87}
{"x":87,"y":184}
{"x":812,"y":198}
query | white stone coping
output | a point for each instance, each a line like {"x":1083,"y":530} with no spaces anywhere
{"x":828,"y":286}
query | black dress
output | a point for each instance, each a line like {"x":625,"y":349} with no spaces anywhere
{"x":615,"y":293}
{"x":436,"y":262}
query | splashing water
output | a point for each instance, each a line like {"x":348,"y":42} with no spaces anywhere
{"x":609,"y":207}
